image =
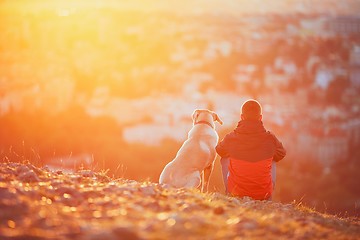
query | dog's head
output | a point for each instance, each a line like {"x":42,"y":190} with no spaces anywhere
{"x":205,"y":115}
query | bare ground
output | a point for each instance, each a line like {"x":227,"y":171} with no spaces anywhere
{"x":41,"y":204}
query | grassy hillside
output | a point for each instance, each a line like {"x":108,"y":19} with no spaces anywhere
{"x":40,"y":204}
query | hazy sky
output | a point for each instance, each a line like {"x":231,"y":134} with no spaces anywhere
{"x":199,"y":6}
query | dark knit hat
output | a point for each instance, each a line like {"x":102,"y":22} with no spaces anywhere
{"x":251,"y":110}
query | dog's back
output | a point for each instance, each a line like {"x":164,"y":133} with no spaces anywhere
{"x":196,"y":153}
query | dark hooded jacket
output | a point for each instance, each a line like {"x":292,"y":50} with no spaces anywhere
{"x":251,"y":150}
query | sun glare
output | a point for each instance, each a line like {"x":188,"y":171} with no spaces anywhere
{"x":94,"y":42}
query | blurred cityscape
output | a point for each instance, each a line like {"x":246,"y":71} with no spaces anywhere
{"x":149,"y":70}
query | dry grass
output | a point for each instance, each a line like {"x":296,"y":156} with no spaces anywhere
{"x":40,"y":204}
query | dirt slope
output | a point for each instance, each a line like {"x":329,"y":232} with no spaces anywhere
{"x":40,"y":204}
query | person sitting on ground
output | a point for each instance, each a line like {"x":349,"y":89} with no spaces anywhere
{"x":248,"y":155}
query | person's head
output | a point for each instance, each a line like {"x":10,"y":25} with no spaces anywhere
{"x":251,"y":110}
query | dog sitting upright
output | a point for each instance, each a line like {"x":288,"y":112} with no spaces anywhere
{"x":196,"y":156}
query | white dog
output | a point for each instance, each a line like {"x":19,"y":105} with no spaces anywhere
{"x":196,"y":156}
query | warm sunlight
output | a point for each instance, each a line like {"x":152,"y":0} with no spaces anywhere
{"x":89,"y":43}
{"x":99,"y":101}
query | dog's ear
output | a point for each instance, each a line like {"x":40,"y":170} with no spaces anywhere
{"x":217,"y":118}
{"x":195,"y":115}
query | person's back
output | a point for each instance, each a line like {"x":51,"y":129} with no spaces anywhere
{"x":250,"y":150}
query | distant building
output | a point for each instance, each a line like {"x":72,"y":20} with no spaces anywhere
{"x":344,"y":25}
{"x":276,"y":79}
{"x":352,"y":127}
{"x":153,"y":134}
{"x":333,"y":147}
{"x":313,"y":26}
{"x":326,"y":74}
{"x":354,"y":71}
{"x":325,"y":147}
